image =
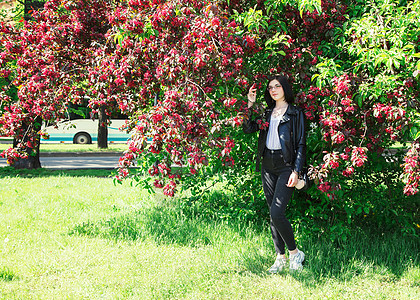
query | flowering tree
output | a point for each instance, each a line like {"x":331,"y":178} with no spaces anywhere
{"x":52,"y":59}
{"x":128,"y":54}
{"x":184,"y":60}
{"x":14,"y":12}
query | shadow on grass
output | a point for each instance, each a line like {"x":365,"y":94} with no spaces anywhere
{"x":160,"y":224}
{"x":42,"y":172}
{"x":386,"y":257}
{"x":166,"y":225}
{"x":368,"y":255}
{"x":252,"y":261}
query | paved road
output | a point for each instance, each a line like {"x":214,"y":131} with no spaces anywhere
{"x":56,"y":161}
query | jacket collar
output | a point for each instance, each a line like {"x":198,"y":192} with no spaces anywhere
{"x":291,"y":110}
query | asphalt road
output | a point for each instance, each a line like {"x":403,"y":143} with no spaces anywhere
{"x":75,"y":161}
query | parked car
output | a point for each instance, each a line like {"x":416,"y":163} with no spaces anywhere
{"x":84,"y":131}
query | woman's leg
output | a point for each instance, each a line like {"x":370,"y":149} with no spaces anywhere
{"x":280,"y":200}
{"x":269,"y":182}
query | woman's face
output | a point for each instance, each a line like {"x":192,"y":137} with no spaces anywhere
{"x":276,"y":90}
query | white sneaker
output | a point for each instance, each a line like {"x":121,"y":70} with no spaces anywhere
{"x":296,"y":261}
{"x":278,"y":265}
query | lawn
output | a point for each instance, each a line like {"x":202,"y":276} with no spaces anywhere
{"x":78,"y":236}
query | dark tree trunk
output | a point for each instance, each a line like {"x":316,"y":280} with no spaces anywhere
{"x":102,"y":129}
{"x":32,"y":162}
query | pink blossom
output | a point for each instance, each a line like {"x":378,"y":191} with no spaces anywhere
{"x":169,"y":189}
{"x":358,"y":156}
{"x":348,"y":171}
{"x":325,"y":187}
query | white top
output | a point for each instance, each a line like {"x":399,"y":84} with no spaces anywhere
{"x":273,"y":141}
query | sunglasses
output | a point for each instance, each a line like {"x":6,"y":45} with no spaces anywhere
{"x":276,"y":87}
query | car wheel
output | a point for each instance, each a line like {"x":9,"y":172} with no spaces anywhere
{"x":82,"y":138}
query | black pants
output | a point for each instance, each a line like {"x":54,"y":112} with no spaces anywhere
{"x":275,"y":175}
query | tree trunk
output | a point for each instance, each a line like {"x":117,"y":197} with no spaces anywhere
{"x":102,"y":129}
{"x":32,"y":162}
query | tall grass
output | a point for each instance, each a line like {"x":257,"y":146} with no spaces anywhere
{"x":78,"y":236}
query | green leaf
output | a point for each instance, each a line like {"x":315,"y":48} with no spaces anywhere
{"x":409,"y":47}
{"x":283,"y":26}
{"x":389,"y":64}
{"x":77,"y":112}
{"x":415,"y":132}
{"x":360,"y":100}
{"x":378,"y":60}
{"x":314,"y":76}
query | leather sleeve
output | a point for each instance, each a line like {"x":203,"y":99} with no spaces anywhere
{"x":301,"y":142}
{"x":250,"y":126}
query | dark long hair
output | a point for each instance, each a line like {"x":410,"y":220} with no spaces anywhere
{"x":287,"y":89}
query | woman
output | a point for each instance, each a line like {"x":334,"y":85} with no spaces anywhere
{"x":282,"y":147}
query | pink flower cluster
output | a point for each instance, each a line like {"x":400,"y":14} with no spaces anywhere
{"x":392,"y":117}
{"x":342,"y":85}
{"x":307,"y":31}
{"x":342,"y":164}
{"x":169,"y":189}
{"x":190,"y":49}
{"x":12,"y":155}
{"x":358,"y":156}
{"x":339,"y":113}
{"x":346,"y":161}
{"x":309,"y":101}
{"x":263,"y":124}
{"x":411,"y":167}
{"x":329,"y":188}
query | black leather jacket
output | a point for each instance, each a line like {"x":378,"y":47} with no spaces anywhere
{"x":291,"y":135}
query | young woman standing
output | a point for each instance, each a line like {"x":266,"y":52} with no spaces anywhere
{"x":282,"y":148}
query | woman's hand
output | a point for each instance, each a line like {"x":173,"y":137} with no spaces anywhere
{"x":293,"y":179}
{"x":252,"y":95}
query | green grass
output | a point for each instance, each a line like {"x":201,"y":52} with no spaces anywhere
{"x":45,"y":148}
{"x":75,"y":235}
